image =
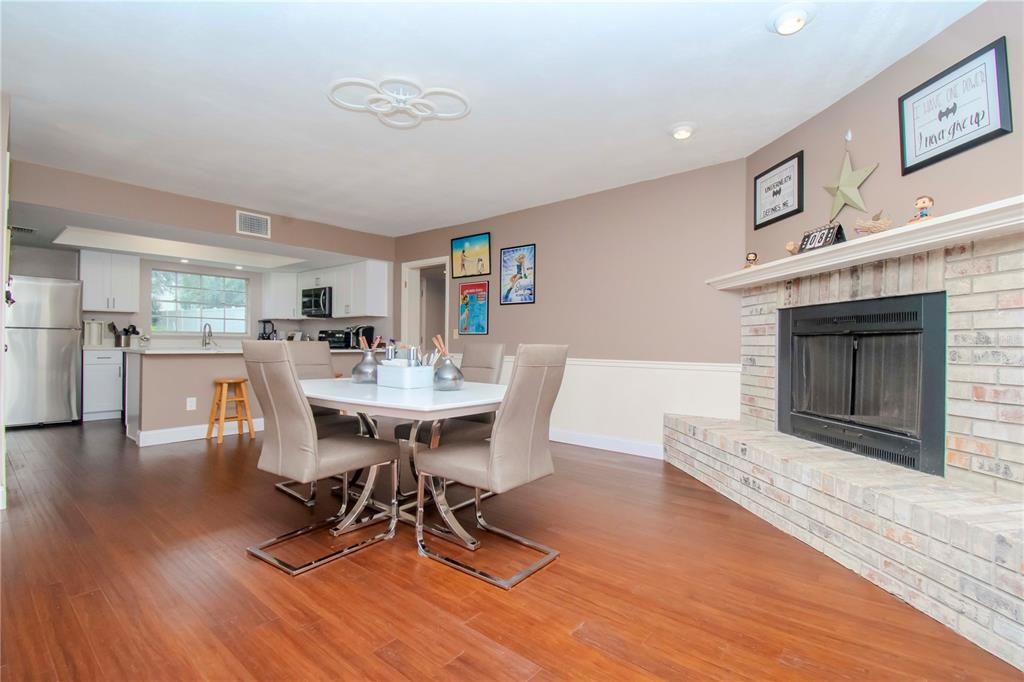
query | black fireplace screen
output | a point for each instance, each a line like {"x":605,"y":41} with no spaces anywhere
{"x":874,"y":380}
{"x":867,"y":376}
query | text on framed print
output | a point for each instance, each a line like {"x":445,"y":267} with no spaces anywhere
{"x":966,"y":105}
{"x":779,"y":191}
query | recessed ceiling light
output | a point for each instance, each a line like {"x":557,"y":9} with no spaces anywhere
{"x":184,"y":260}
{"x":682,"y":131}
{"x":238,"y":267}
{"x":790,"y":19}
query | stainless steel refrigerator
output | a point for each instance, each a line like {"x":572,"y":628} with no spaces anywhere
{"x":44,"y":352}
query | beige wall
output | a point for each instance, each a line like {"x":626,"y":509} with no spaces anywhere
{"x":29,"y":261}
{"x":44,"y":186}
{"x":994,"y":170}
{"x":620,"y":274}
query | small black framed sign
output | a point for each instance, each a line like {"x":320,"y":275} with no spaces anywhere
{"x":779,"y":191}
{"x":966,"y":105}
{"x":819,"y":237}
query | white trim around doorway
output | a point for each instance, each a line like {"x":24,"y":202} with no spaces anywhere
{"x":407,"y":322}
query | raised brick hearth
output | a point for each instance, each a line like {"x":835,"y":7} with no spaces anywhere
{"x":945,"y":548}
{"x":948,"y":545}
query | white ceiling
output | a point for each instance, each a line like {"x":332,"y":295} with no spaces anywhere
{"x":228,"y":101}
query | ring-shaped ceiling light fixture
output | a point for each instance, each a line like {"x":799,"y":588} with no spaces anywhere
{"x":398,"y":102}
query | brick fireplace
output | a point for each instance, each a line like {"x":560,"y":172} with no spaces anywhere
{"x":948,"y":544}
{"x":984,"y":284}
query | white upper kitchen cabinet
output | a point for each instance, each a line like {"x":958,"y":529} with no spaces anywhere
{"x":369,"y":288}
{"x":316,"y":278}
{"x":280,"y":296}
{"x":110,"y":281}
{"x":357,"y":290}
{"x":341,"y":294}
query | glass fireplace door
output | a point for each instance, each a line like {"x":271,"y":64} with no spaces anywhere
{"x":870,"y":379}
{"x":887,"y":382}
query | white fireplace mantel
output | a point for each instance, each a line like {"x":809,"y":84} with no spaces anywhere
{"x":981,"y":222}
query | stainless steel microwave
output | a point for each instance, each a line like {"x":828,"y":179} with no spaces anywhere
{"x":316,"y":302}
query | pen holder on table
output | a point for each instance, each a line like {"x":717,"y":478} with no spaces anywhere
{"x":365,"y":371}
{"x":448,"y":377}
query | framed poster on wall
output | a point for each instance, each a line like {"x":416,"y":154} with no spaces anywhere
{"x":966,"y":105}
{"x":473,"y":304}
{"x":518,"y":272}
{"x":471,"y":255}
{"x":779,"y":191}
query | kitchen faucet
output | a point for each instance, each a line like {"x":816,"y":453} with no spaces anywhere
{"x":207,"y":336}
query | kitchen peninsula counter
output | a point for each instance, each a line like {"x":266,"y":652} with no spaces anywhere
{"x":169,"y":390}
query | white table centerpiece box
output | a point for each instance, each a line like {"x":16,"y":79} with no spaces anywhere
{"x":405,"y":377}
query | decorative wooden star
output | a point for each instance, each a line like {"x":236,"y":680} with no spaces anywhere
{"x":846,"y":190}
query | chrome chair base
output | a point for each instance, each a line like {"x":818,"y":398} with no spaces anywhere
{"x":309,"y":498}
{"x":459,"y":535}
{"x":341,"y":523}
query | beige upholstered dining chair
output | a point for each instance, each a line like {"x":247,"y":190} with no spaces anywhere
{"x":291,"y":448}
{"x":312,"y":360}
{"x":517,"y":453}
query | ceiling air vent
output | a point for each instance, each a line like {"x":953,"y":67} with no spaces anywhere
{"x":252,"y":224}
{"x":17,"y":229}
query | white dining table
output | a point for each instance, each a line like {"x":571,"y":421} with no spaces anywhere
{"x":416,"y":404}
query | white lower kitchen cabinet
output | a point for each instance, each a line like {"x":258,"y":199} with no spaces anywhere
{"x":102,"y":384}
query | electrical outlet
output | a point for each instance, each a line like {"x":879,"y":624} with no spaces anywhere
{"x":190,"y":404}
{"x":455,"y":332}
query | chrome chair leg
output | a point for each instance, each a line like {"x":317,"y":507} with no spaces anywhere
{"x":549,"y":554}
{"x":454,"y":532}
{"x":337,"y":520}
{"x":351,"y":522}
{"x":309,"y":499}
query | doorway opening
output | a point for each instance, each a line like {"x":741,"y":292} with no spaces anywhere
{"x":425,"y":301}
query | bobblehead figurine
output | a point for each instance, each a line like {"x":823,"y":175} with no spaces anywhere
{"x":923,"y":204}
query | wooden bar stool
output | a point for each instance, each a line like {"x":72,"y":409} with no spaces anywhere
{"x":218,"y":410}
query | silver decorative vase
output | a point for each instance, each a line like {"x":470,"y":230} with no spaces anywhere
{"x":365,"y":371}
{"x":448,"y":377}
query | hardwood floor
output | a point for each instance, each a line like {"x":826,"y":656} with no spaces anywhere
{"x":121,"y":564}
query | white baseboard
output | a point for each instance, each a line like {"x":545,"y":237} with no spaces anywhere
{"x":624,"y":445}
{"x":180,"y":434}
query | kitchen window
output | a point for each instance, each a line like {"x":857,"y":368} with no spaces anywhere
{"x":182,"y":302}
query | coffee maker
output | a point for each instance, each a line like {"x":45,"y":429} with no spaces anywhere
{"x":267,"y":331}
{"x":363,"y":330}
